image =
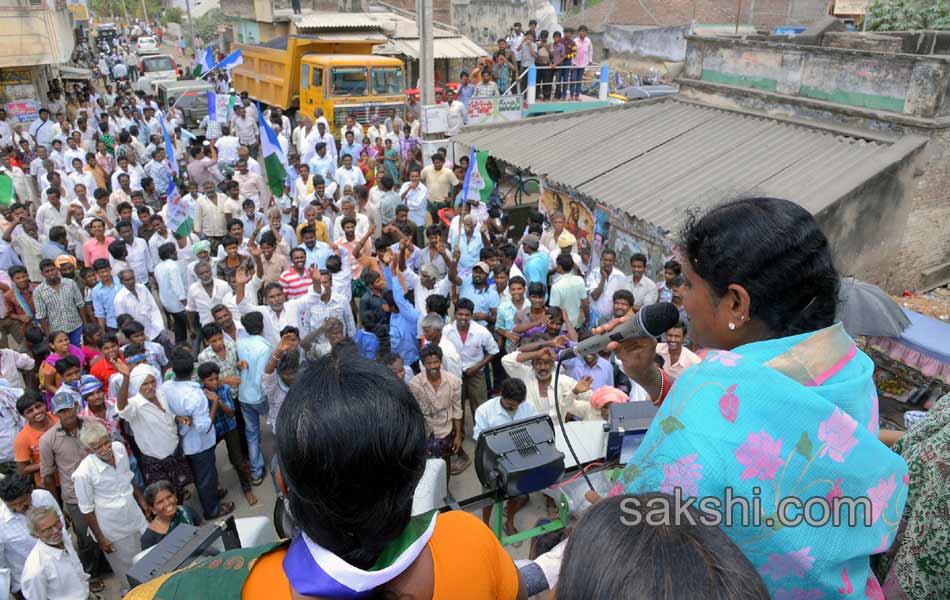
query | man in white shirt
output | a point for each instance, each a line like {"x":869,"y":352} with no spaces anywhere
{"x":52,"y":213}
{"x":172,"y":289}
{"x":351,"y":125}
{"x":19,"y":496}
{"x":347,"y":174}
{"x":52,"y":568}
{"x":476,"y":348}
{"x":227,"y":147}
{"x":41,"y":129}
{"x":415,"y":195}
{"x":6,"y":133}
{"x":644,"y":289}
{"x":123,"y":167}
{"x":321,"y":162}
{"x":135,"y":299}
{"x":319,"y":134}
{"x":205,"y":294}
{"x":139,"y":257}
{"x":278,"y":311}
{"x":457,"y":114}
{"x":534,"y":364}
{"x":73,"y":151}
{"x":109,"y":501}
{"x":601,"y":285}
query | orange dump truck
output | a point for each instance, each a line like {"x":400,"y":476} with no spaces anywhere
{"x":341,"y":76}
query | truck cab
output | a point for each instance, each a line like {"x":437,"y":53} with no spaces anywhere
{"x":342,"y":84}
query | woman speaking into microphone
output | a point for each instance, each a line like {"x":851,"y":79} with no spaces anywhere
{"x":781,"y":417}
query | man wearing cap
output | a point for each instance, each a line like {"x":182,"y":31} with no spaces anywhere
{"x":97,"y":405}
{"x":60,"y":454}
{"x":476,"y":288}
{"x":536,"y":265}
{"x":566,"y":244}
{"x":457,"y":114}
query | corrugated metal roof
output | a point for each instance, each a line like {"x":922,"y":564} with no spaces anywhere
{"x":452,"y":47}
{"x":657,"y":159}
{"x":335,"y":20}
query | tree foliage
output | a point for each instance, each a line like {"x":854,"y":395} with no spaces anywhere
{"x":908,"y":15}
{"x":206,"y":26}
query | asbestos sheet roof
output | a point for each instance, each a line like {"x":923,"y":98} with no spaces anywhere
{"x":657,"y":159}
{"x":335,"y":20}
{"x":447,"y":47}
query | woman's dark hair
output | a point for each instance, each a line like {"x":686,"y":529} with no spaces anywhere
{"x":352,"y":451}
{"x":618,"y":532}
{"x":776,"y":251}
{"x":55,"y":334}
{"x":14,"y":486}
{"x":151,"y":492}
{"x":89,"y":333}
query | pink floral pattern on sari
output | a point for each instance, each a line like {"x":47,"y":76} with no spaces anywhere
{"x":729,"y":404}
{"x":725,"y":358}
{"x":880,"y":495}
{"x":837,"y":431}
{"x":683,"y":474}
{"x":760,"y":455}
{"x":789,"y":564}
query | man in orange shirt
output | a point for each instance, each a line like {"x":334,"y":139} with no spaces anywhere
{"x":26,"y":445}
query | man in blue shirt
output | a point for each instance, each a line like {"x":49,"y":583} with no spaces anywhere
{"x":255,"y":352}
{"x":536,"y":264}
{"x":187,"y":401}
{"x":466,"y":89}
{"x":103,"y":295}
{"x":349,"y":146}
{"x":403,"y":320}
{"x":317,"y":252}
{"x":476,"y":288}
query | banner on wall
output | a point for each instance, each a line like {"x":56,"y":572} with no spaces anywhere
{"x":79,"y":8}
{"x":23,"y":112}
{"x":578,"y":218}
{"x":495,"y":109}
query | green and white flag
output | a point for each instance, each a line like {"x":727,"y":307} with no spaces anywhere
{"x":275,"y":162}
{"x":477,"y":185}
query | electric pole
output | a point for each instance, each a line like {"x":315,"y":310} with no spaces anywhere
{"x":191,"y":28}
{"x":426,"y":66}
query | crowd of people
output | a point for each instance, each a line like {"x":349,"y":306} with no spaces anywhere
{"x":133,"y":346}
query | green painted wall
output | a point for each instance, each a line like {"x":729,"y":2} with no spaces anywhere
{"x":872,"y":101}
{"x":761,"y":83}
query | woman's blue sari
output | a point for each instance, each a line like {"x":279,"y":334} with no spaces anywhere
{"x":790,"y":418}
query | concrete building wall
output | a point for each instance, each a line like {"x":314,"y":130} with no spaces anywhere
{"x":900,"y":83}
{"x":38,"y":34}
{"x":663,"y":43}
{"x":923,"y":254}
{"x":485,"y":21}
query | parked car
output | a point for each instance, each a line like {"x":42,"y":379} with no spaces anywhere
{"x":190,"y":96}
{"x":154,"y":68}
{"x":146,"y":45}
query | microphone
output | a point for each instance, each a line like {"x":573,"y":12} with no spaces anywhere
{"x":651,"y":321}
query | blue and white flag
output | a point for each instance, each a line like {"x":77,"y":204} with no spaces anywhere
{"x":231,"y":60}
{"x":212,"y":107}
{"x":169,"y":147}
{"x":207,"y":60}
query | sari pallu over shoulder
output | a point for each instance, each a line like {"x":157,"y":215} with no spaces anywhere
{"x":779,"y":424}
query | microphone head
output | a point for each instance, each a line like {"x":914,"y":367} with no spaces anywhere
{"x":658,"y":317}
